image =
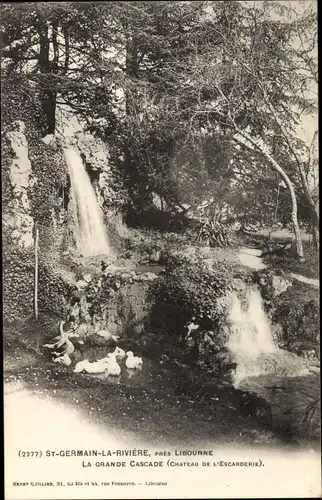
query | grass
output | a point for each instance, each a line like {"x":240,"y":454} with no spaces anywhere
{"x":308,"y":268}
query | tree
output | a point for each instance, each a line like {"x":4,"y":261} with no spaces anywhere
{"x":56,"y":46}
{"x":159,"y":80}
{"x":235,"y":88}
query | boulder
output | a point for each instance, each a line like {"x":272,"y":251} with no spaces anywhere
{"x":280,"y":285}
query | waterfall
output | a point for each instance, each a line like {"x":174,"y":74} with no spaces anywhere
{"x":89,"y":230}
{"x":250,"y":330}
{"x":250,"y":338}
{"x":251,"y":342}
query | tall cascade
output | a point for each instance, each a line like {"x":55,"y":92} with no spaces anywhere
{"x":89,"y":231}
{"x":252,"y":344}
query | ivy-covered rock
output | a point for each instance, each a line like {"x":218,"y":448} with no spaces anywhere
{"x":18,"y":283}
{"x":271,"y":283}
{"x":21,"y":105}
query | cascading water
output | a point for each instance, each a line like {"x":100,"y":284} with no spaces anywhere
{"x":282,"y":378}
{"x":252,"y":344}
{"x":250,"y":330}
{"x":89,"y":231}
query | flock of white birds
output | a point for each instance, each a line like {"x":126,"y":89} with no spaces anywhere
{"x":108,"y":364}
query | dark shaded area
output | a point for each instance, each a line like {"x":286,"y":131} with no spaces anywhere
{"x":64,"y":192}
{"x":157,"y":220}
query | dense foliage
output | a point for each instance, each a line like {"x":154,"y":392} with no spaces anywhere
{"x":295,"y":313}
{"x":17,"y":292}
{"x":189,"y":291}
{"x":185,"y":95}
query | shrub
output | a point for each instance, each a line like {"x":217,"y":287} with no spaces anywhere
{"x":288,"y":262}
{"x":297,"y":311}
{"x":189,"y":291}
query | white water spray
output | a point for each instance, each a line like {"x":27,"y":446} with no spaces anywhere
{"x":89,"y":230}
{"x":250,"y":336}
{"x":250,"y":331}
{"x":252,"y":344}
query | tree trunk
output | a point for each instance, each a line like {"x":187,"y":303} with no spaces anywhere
{"x":48,"y":94}
{"x":316,"y":236}
{"x":301,"y":171}
{"x":133,"y":166}
{"x":264,"y":151}
{"x":315,"y":216}
{"x":315,"y":224}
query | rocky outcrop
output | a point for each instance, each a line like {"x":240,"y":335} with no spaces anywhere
{"x":17,"y":218}
{"x":110,"y":304}
{"x":115,"y":304}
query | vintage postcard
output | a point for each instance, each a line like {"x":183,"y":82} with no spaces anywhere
{"x":160,"y":249}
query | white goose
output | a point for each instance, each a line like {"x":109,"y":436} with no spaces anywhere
{"x":133,"y":362}
{"x":63,"y":360}
{"x":80,"y":366}
{"x":119,"y":353}
{"x":88,"y":367}
{"x":64,"y":340}
{"x":113,"y":368}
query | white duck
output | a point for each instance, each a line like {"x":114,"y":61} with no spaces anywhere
{"x":133,"y":362}
{"x":88,"y":367}
{"x":113,"y":368}
{"x":63,"y":360}
{"x":119,"y":353}
{"x":80,"y":366}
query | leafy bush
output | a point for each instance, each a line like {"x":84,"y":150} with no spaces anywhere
{"x":189,"y":291}
{"x":297,"y":311}
{"x":215,"y":234}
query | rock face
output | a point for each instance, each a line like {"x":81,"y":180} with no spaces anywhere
{"x":18,"y":217}
{"x":111,"y":304}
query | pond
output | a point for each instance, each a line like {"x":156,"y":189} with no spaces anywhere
{"x":162,"y":382}
{"x":295,"y":402}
